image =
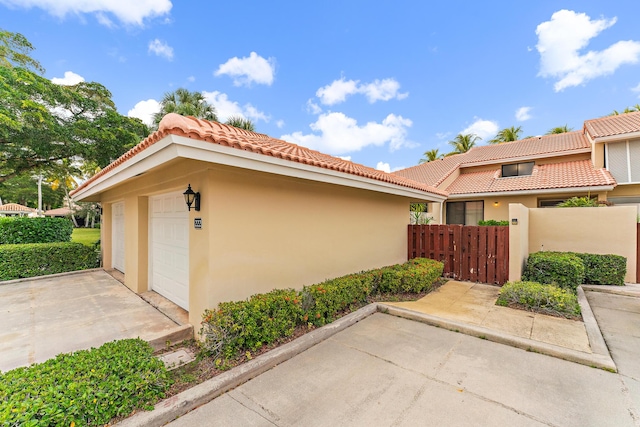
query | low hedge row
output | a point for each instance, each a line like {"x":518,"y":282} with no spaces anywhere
{"x":39,"y":259}
{"x":542,"y":298}
{"x":241,"y":326}
{"x":22,"y":230}
{"x":493,"y":222}
{"x":570,"y":269}
{"x":85,"y":388}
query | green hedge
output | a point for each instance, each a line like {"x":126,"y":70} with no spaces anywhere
{"x":85,"y":388}
{"x":603,"y":269}
{"x":561,"y":268}
{"x":264,"y":318}
{"x":22,"y":230}
{"x":540,"y":298}
{"x":39,"y":259}
{"x":493,"y":222}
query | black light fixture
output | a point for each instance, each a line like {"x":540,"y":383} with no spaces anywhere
{"x":192,"y":198}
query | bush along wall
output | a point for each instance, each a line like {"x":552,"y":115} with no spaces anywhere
{"x":563,"y":269}
{"x":21,"y":230}
{"x":39,"y":259}
{"x":241,"y":326}
{"x":541,"y":298}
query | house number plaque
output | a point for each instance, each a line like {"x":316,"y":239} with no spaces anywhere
{"x":197,"y":223}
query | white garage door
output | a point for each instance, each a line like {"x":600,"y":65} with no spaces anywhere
{"x":169,"y":248}
{"x":117,"y":238}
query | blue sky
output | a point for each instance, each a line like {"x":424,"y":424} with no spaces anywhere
{"x":376,"y":82}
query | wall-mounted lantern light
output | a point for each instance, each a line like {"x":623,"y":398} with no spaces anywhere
{"x":496,"y":204}
{"x":192,"y":198}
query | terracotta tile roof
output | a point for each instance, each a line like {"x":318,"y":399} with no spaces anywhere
{"x":613,"y":125}
{"x":221,"y":134}
{"x":58,"y":212}
{"x":579,"y":173}
{"x":434,"y":173}
{"x":14,"y":207}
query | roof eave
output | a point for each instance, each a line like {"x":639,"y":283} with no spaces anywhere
{"x":533,"y":192}
{"x":619,"y":137}
{"x":173,"y":146}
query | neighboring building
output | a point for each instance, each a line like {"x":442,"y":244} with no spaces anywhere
{"x":602,"y":160}
{"x":14,"y":209}
{"x":272,"y":214}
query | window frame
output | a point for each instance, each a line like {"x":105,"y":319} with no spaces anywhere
{"x":518,"y":167}
{"x":464,"y":211}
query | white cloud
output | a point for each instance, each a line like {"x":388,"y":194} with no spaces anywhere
{"x":443,"y":135}
{"x":561,"y":40}
{"x":70,"y":78}
{"x":385,"y":167}
{"x":226,"y":108}
{"x":347,"y":158}
{"x":636,"y":90}
{"x":482,"y":128}
{"x":523,"y":114}
{"x":378,"y":90}
{"x":191,"y":79}
{"x":313,"y":108}
{"x":337,"y":91}
{"x":340,"y":134}
{"x":126,"y":11}
{"x":160,"y":48}
{"x":248,"y":70}
{"x":280,"y":124}
{"x":144,"y":110}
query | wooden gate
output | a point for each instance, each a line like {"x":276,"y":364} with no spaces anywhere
{"x":472,"y":253}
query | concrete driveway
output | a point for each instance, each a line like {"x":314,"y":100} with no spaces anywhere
{"x":43,"y":317}
{"x":390,"y":371}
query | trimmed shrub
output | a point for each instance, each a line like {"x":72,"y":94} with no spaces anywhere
{"x":561,"y":268}
{"x":240,"y":326}
{"x":22,"y":230}
{"x":493,"y":222}
{"x":39,"y":259}
{"x":248,"y":325}
{"x":603,"y":269}
{"x":540,"y":298}
{"x":85,"y":388}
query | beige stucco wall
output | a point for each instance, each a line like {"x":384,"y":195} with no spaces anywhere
{"x":260,"y":231}
{"x":518,"y":240}
{"x":602,"y":230}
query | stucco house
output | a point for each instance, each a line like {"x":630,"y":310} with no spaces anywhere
{"x":601,"y":160}
{"x":271,"y":214}
{"x":15,"y":209}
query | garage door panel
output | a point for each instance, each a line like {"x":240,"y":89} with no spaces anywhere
{"x":169,"y":244}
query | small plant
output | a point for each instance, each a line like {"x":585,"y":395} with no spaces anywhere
{"x":579,"y":202}
{"x":541,"y":298}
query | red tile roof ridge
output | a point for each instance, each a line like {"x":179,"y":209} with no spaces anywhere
{"x":15,"y":207}
{"x":618,"y":124}
{"x":225,"y":135}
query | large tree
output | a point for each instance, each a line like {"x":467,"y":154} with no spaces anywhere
{"x":15,"y":50}
{"x":463,"y":143}
{"x":186,"y":103}
{"x":431,"y":155}
{"x":42,"y":123}
{"x":507,"y":135}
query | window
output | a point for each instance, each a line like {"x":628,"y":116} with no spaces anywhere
{"x":465,"y":213}
{"x":622,"y":160}
{"x":517,"y":169}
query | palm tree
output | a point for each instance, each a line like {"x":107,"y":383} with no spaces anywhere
{"x":241,"y":122}
{"x":430,"y":156}
{"x":559,"y":129}
{"x":507,"y":135}
{"x":185,"y":103}
{"x":463,"y":143}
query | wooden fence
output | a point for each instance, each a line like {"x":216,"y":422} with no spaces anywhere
{"x":476,"y":254}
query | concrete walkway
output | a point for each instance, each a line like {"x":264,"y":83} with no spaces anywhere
{"x":42,"y":317}
{"x":389,"y":371}
{"x":474,"y":303}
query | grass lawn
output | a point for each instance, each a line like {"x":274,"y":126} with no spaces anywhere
{"x":86,"y":236}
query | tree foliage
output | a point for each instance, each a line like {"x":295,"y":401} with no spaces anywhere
{"x":42,"y":123}
{"x":631,"y":109}
{"x":241,"y":122}
{"x":15,"y":50}
{"x":463,"y":143}
{"x":431,"y":155}
{"x":558,"y":130}
{"x":507,"y":135}
{"x":186,"y":103}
